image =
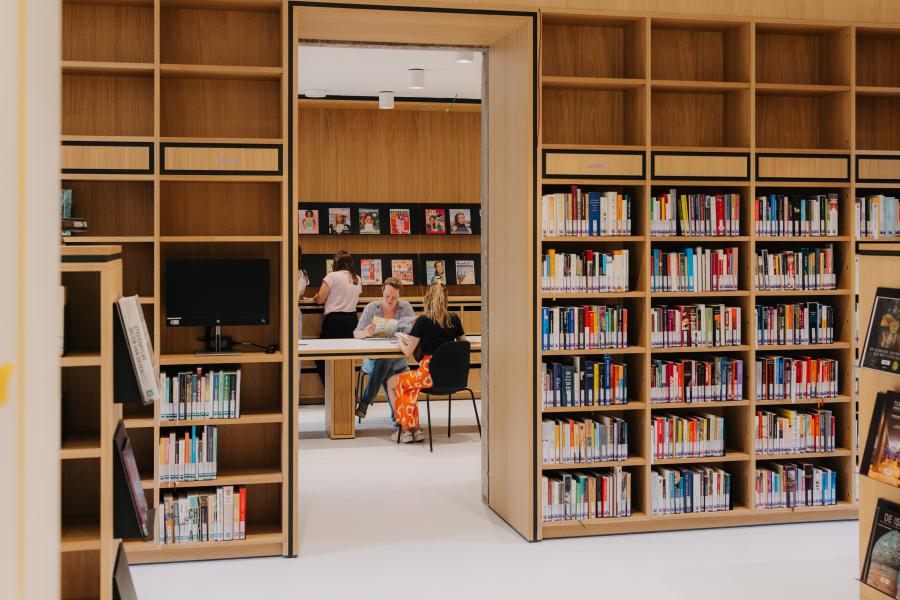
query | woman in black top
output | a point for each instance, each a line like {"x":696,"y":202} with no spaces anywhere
{"x":437,"y":326}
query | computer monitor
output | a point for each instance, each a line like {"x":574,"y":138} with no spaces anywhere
{"x":216,"y":292}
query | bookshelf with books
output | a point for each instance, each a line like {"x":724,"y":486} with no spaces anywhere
{"x":173,"y":147}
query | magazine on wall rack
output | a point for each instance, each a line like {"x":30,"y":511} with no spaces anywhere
{"x":881,"y":350}
{"x":881,"y":454}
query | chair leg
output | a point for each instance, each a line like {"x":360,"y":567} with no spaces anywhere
{"x":449,"y":406}
{"x":359,"y":376}
{"x":475,"y":406}
{"x":428,"y":410}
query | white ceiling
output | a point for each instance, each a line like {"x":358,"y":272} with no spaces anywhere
{"x":349,"y":71}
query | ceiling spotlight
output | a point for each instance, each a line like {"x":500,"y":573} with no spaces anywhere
{"x":417,"y":79}
{"x":464,"y":57}
{"x":386,"y":100}
{"x":315,"y":93}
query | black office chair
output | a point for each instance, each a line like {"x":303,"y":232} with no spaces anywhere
{"x":449,"y":374}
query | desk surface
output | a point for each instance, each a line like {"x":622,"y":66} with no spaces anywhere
{"x":354,"y":348}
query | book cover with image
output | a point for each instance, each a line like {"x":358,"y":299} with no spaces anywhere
{"x":309,"y":221}
{"x":435,"y":223}
{"x":339,"y":220}
{"x":881,"y":350}
{"x":881,"y":455}
{"x":369,"y":221}
{"x":883,"y":554}
{"x":400,"y":221}
{"x":402,"y":270}
{"x":460,"y":221}
{"x":329,"y":265}
{"x":465,"y":272}
{"x":435,"y":272}
{"x":371,"y":271}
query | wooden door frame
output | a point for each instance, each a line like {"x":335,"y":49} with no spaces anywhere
{"x":510,"y":160}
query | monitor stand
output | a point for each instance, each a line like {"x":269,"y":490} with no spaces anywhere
{"x":217,"y":344}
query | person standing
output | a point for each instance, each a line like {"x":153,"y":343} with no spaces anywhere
{"x":389,"y":306}
{"x":339,"y":293}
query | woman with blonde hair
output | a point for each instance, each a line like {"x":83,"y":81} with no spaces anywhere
{"x":435,"y":327}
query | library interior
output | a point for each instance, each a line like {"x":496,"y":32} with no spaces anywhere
{"x":477,"y":294}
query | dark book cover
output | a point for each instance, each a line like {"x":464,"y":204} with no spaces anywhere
{"x":881,"y":350}
{"x":883,"y":554}
{"x":881,"y":455}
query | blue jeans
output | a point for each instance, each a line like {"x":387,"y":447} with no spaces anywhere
{"x":379,"y":370}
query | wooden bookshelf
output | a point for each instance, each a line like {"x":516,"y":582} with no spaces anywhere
{"x":92,"y":276}
{"x":171,"y":110}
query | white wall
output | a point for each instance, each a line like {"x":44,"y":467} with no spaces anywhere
{"x":29,"y":278}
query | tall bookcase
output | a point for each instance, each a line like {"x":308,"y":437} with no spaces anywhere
{"x":174,"y":129}
{"x":92,"y":278}
{"x":742,"y":106}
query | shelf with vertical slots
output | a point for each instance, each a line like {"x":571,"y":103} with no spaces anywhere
{"x":801,"y":401}
{"x":699,"y":349}
{"x":729,"y":456}
{"x":801,"y":455}
{"x":595,"y":351}
{"x":788,"y":347}
{"x":632,"y":461}
{"x":555,"y":410}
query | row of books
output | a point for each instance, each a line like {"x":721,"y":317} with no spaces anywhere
{"x":69,"y":223}
{"x":600,"y":494}
{"x":702,"y":379}
{"x":582,"y":213}
{"x":789,"y":485}
{"x":211,"y":515}
{"x":695,"y":214}
{"x":567,"y":441}
{"x":584,"y":327}
{"x":780,"y":215}
{"x":877,"y":216}
{"x":687,"y":435}
{"x":586,"y":271}
{"x":584,"y":382}
{"x":796,"y":377}
{"x":694,"y":489}
{"x":786,"y":431}
{"x":798,"y":323}
{"x":694,"y":270}
{"x":803,"y":269}
{"x":695,"y":326}
{"x":189,"y":456}
{"x":200,"y":395}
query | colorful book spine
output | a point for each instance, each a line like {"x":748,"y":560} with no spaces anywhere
{"x":694,"y":270}
{"x":800,"y":323}
{"x":588,"y":271}
{"x":687,"y":435}
{"x":572,"y":441}
{"x":791,"y":485}
{"x":598,"y":494}
{"x":694,"y":489}
{"x":584,"y":327}
{"x":803,"y":269}
{"x":584,"y":382}
{"x":203,"y":515}
{"x":877,"y":216}
{"x":200,"y":394}
{"x":707,"y":379}
{"x":778,"y":215}
{"x":786,"y":431}
{"x":695,"y":326}
{"x":581,"y":213}
{"x":715,"y":215}
{"x":796,"y":377}
{"x":189,"y":455}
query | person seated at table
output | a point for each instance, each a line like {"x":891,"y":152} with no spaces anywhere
{"x":339,"y":293}
{"x":389,"y":306}
{"x":435,"y":327}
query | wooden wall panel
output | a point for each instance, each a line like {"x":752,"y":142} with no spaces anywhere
{"x":99,"y":105}
{"x":220,"y":37}
{"x":107,"y":33}
{"x":389,"y":156}
{"x":220,"y":108}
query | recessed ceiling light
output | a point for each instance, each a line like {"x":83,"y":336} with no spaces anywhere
{"x":464,"y":57}
{"x":417,"y":79}
{"x":315,"y":93}
{"x":386,"y":100}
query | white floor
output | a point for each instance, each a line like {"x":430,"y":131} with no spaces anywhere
{"x":385,"y":521}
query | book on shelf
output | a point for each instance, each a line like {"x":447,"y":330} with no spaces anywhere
{"x":881,"y":350}
{"x":704,"y":379}
{"x":586,"y":213}
{"x":136,"y":498}
{"x":796,"y":377}
{"x":694,"y":270}
{"x":146,"y":369}
{"x":594,"y":494}
{"x":71,"y":225}
{"x":584,"y":382}
{"x":798,"y":323}
{"x":205,"y":515}
{"x":881,"y":452}
{"x":199,"y":394}
{"x":778,"y":215}
{"x":689,"y":489}
{"x":794,"y":484}
{"x":584,"y":440}
{"x":877,"y":216}
{"x":687,"y":435}
{"x":695,"y":326}
{"x":189,"y":455}
{"x":882,"y":564}
{"x":586,"y":271}
{"x":786,"y":431}
{"x":65,"y":203}
{"x":584,"y":327}
{"x":673,"y":214}
{"x":802,"y":269}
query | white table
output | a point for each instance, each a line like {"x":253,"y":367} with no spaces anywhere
{"x":339,"y":356}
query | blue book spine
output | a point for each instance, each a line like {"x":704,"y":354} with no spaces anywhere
{"x":545,"y":328}
{"x":594,"y":212}
{"x":689,"y":255}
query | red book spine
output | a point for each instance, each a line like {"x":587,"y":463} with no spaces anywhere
{"x":243,"y":513}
